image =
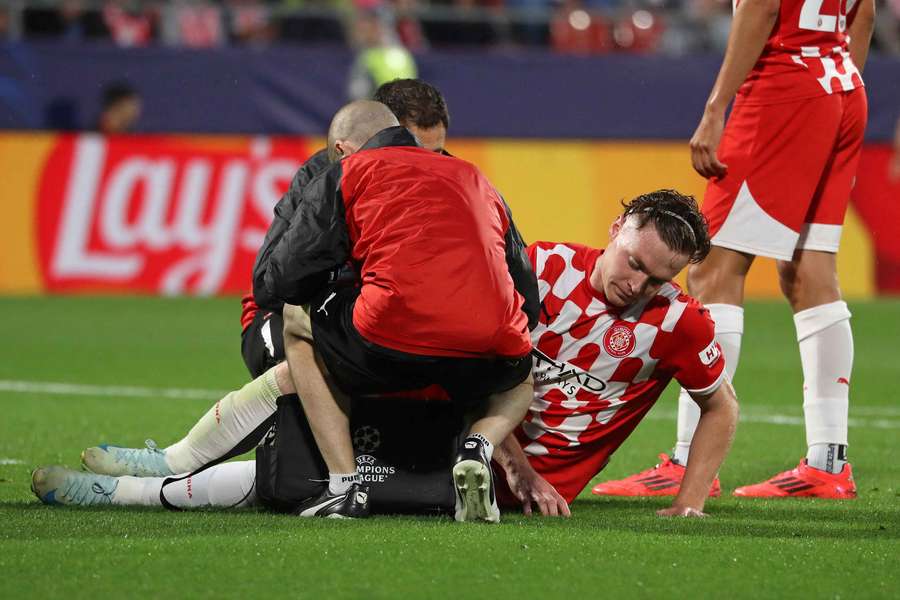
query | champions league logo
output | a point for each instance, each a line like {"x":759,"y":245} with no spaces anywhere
{"x":370,"y":471}
{"x":366,"y":439}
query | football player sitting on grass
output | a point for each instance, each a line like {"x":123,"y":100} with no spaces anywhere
{"x":613,"y":332}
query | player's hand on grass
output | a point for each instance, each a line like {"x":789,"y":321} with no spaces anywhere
{"x":681,"y":511}
{"x":531,"y":488}
{"x":704,"y":144}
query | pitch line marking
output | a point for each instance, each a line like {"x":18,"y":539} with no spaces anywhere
{"x":775,"y":419}
{"x":127,"y":391}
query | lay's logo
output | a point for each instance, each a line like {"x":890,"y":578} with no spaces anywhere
{"x":159,"y":214}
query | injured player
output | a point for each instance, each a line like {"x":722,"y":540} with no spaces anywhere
{"x":613,"y":331}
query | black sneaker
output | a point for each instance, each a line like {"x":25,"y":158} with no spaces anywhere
{"x":474,"y":482}
{"x":352,"y":504}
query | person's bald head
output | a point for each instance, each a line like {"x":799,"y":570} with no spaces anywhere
{"x":356,"y":123}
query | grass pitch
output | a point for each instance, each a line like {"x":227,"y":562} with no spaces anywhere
{"x":611,"y":548}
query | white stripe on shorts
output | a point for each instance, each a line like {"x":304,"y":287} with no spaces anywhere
{"x":817,"y":236}
{"x":748,"y":228}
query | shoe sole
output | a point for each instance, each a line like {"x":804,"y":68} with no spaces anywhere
{"x":86,"y":467}
{"x":33,"y":488}
{"x":48,"y":497}
{"x":641,"y":494}
{"x":98,"y":470}
{"x":798,"y":496}
{"x":648,"y":494}
{"x":473,"y":488}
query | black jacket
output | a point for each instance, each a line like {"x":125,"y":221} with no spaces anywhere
{"x":298,"y":259}
{"x":284,"y":212}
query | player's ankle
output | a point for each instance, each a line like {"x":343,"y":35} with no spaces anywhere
{"x":339,"y":483}
{"x":680,"y":453}
{"x":830,"y":458}
{"x":486,"y":444}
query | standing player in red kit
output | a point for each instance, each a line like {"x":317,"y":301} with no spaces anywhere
{"x":780,"y":174}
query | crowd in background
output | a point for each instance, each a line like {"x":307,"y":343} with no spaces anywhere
{"x":568,"y":26}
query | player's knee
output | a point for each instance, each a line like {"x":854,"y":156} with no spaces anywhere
{"x":296,"y":322}
{"x":807,"y":284}
{"x":787,"y":279}
{"x":695,"y":279}
{"x":283,"y":378}
{"x":702,"y":280}
{"x":720,"y":277}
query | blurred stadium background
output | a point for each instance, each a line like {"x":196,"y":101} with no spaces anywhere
{"x":569,"y":106}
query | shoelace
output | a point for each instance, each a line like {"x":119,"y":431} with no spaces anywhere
{"x":135,"y":457}
{"x":664,"y":458}
{"x":85,"y":492}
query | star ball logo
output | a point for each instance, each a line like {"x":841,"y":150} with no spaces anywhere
{"x":366,"y":439}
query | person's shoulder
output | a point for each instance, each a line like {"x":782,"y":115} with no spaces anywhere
{"x":393,"y":157}
{"x":564,"y":255}
{"x":565,"y":248}
{"x":686,"y":314}
{"x":315,"y":164}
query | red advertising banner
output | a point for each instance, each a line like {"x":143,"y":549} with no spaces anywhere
{"x":178,"y":215}
{"x":162,"y":215}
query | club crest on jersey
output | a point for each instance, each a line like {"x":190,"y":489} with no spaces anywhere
{"x":619,"y":341}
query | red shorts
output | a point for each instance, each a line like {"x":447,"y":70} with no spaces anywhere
{"x":791,"y":167}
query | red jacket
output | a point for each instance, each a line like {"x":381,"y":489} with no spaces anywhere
{"x":429,"y":235}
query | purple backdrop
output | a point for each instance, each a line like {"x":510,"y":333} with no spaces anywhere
{"x":282,"y":90}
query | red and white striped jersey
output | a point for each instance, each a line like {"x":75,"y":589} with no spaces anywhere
{"x":807,"y":54}
{"x":598,"y":370}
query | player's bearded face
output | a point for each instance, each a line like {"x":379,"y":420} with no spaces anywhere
{"x":636,"y":264}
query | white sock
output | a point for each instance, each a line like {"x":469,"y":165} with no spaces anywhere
{"x":338,"y":483}
{"x":137,"y":491}
{"x":729,"y":330}
{"x":826,"y":355}
{"x":488,"y":446}
{"x":224,"y":486}
{"x":830,"y":458}
{"x":228,"y":422}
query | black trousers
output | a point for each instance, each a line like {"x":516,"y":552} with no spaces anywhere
{"x":361,"y":368}
{"x":404,"y":448}
{"x":262,"y":343}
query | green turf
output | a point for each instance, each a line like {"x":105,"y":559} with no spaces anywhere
{"x":610,"y":548}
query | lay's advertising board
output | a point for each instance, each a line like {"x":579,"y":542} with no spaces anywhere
{"x":181,"y":214}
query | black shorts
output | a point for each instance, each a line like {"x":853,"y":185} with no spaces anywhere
{"x":361,"y":368}
{"x":262,"y":343}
